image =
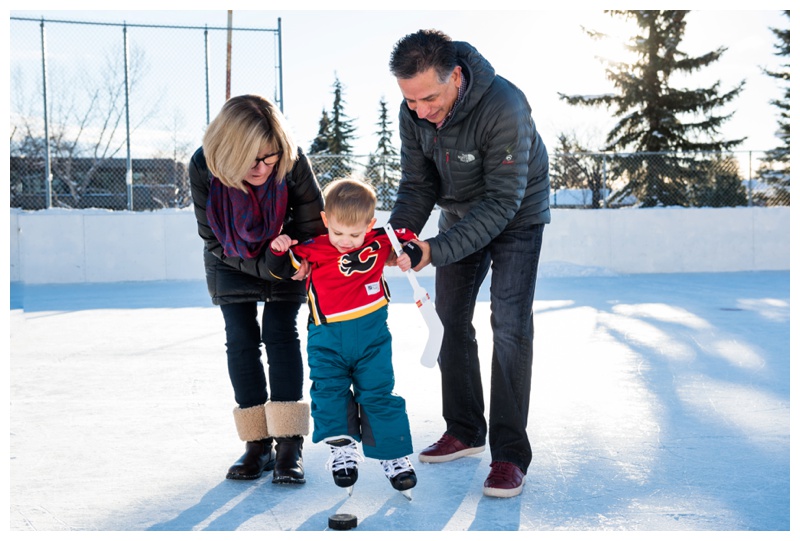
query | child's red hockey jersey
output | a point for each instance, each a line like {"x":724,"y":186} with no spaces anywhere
{"x":350,"y":285}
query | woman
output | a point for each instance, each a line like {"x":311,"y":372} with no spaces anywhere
{"x":249,"y":183}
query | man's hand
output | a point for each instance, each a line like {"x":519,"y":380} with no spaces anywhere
{"x":425,"y":247}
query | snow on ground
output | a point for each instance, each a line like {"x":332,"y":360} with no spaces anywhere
{"x":659,"y":402}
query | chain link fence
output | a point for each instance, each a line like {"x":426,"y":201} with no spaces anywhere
{"x":649,"y":179}
{"x":380,"y":172}
{"x":579,"y":180}
{"x":612,"y":180}
{"x":105,"y":115}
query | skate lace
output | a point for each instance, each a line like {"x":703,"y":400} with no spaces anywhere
{"x":343,"y":458}
{"x":396,"y":466}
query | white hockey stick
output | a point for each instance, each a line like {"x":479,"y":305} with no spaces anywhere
{"x":430,"y":355}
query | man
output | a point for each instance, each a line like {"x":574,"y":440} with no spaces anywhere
{"x":469,"y":144}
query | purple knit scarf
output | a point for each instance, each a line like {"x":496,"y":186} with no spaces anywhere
{"x":244,"y":222}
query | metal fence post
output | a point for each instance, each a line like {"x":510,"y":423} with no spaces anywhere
{"x":208,"y":105}
{"x":228,"y":65}
{"x":48,"y":175}
{"x":750,"y":178}
{"x":129,"y":171}
{"x":605,"y":185}
{"x":280,"y":63}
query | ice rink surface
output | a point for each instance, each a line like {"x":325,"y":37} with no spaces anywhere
{"x":659,"y":403}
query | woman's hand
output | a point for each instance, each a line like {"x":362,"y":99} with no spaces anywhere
{"x":303,"y":271}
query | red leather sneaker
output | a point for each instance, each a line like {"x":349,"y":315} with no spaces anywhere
{"x":446,"y":449}
{"x":504,"y":481}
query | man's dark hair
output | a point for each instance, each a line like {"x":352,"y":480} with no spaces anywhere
{"x":422,"y":50}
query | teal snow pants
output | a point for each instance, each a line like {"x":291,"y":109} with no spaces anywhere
{"x":352,"y":384}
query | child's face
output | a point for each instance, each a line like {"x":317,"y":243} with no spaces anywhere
{"x":346,"y":237}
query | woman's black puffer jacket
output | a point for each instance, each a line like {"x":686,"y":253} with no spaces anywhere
{"x":233,"y":279}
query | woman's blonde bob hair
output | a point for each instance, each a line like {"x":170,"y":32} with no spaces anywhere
{"x":245,"y":125}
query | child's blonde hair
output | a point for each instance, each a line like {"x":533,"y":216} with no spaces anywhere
{"x":350,"y":202}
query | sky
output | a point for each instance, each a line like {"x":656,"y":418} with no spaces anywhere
{"x":542,"y":52}
{"x":659,"y":403}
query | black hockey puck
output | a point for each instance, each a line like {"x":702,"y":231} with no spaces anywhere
{"x":342,"y":521}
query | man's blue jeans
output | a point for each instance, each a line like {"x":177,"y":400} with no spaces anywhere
{"x":514,"y":260}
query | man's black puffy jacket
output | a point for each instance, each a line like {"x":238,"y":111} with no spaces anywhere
{"x":486,"y":167}
{"x":233,"y":279}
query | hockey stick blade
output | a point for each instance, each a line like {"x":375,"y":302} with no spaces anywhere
{"x":430,"y":355}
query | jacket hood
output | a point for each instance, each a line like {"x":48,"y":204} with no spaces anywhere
{"x":480,"y":75}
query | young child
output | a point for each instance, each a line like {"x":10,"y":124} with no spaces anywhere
{"x":349,"y":343}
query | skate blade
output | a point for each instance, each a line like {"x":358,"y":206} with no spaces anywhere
{"x":349,"y":491}
{"x":406,"y":494}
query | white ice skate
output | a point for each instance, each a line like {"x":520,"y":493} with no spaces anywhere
{"x":401,"y":474}
{"x":343,"y":462}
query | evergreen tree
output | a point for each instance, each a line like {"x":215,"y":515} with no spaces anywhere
{"x":319,"y":149}
{"x":656,"y":118}
{"x":384,"y":133}
{"x":333,"y":141}
{"x":342,"y":127}
{"x":383,"y":169}
{"x":776,"y":172}
{"x":574,"y":167}
{"x":718,"y":183}
{"x":320,"y":143}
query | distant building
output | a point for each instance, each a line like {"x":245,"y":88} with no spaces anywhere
{"x":88,"y":183}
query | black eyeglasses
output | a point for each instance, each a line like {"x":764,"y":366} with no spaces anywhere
{"x":264,"y":159}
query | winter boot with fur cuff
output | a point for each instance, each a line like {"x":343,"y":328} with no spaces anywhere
{"x":288,"y":423}
{"x":259,"y":456}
